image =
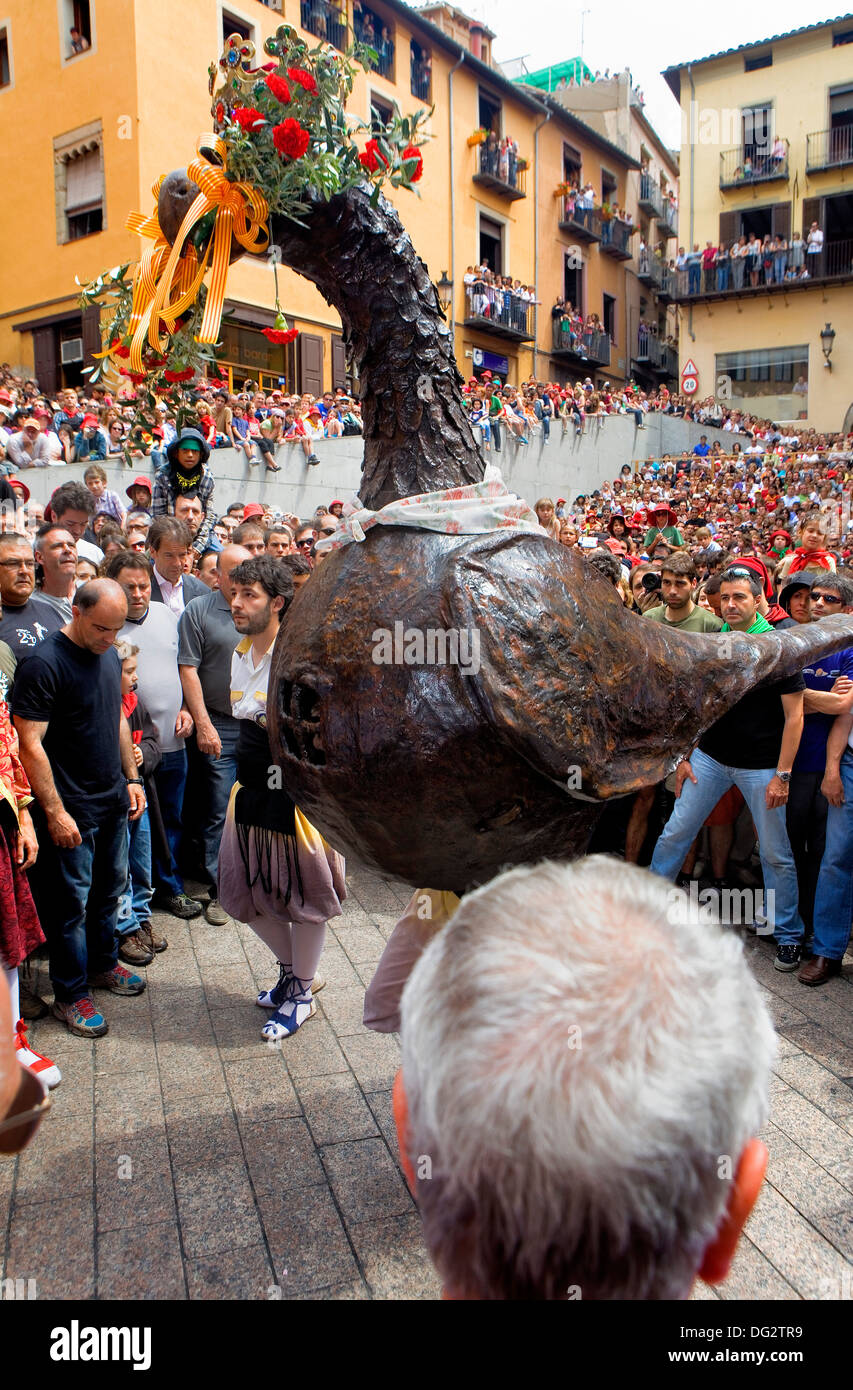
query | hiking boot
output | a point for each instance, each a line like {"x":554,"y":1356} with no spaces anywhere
{"x":153,"y":938}
{"x":182,"y":906}
{"x":118,"y":981}
{"x":81,"y":1017}
{"x":134,"y":949}
{"x":215,"y":913}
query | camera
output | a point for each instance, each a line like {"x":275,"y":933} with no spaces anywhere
{"x":650,"y":581}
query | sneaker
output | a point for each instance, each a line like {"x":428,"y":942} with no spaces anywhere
{"x":134,"y":949}
{"x":312,"y":458}
{"x":182,"y":906}
{"x":271,"y":998}
{"x":788,"y":957}
{"x":118,"y":981}
{"x":153,"y":937}
{"x":45,"y":1070}
{"x":273,"y":467}
{"x":81,"y":1017}
{"x":215,"y":913}
{"x":294,"y":1010}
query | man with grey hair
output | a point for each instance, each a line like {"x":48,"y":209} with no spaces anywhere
{"x":582,"y":1124}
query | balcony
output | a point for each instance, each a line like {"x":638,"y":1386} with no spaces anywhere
{"x":371,"y":30}
{"x":501,"y":171}
{"x":833,"y":265}
{"x":421,"y":83}
{"x":750,"y":164}
{"x":325,"y":21}
{"x":590,"y":349}
{"x":580,"y":222}
{"x":829,"y":149}
{"x":493,"y":310}
{"x":653,"y":271}
{"x":668,"y":223}
{"x":616,"y":239}
{"x":658,"y":357}
{"x":650,"y":196}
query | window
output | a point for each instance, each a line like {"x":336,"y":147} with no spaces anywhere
{"x":608,"y":316}
{"x":381,"y":112}
{"x":232,"y":25}
{"x":76,"y":19}
{"x":489,"y":112}
{"x":771,"y":382}
{"x":5,"y":65}
{"x":325,"y":20}
{"x":843,"y":36}
{"x":491,"y":244}
{"x":762,"y":60}
{"x":573,"y":282}
{"x":79,"y":184}
{"x":371,"y":29}
{"x":421,"y":63}
{"x":757,"y":124}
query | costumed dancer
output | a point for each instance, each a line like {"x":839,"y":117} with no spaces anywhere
{"x":276,"y":872}
{"x":20,"y":930}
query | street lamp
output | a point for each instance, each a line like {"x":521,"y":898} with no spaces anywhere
{"x":827,"y":338}
{"x":445,"y":291}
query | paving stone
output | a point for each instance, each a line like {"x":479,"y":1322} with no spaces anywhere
{"x":824,"y":1047}
{"x":752,"y":1276}
{"x":238,"y":1031}
{"x":365,"y":1180}
{"x":194,"y":1074}
{"x":344,"y":1008}
{"x":375,"y":1059}
{"x":229,"y":986}
{"x":812,"y":1080}
{"x":216,"y":1209}
{"x":824,"y":1138}
{"x":136,"y":1092}
{"x":793,"y":1246}
{"x":261,"y":1088}
{"x":703,"y":1293}
{"x":240,"y":1274}
{"x":309,"y":1246}
{"x":58,"y":1162}
{"x":141,"y":1263}
{"x":361,"y":941}
{"x":335,"y":1109}
{"x":313,"y":1051}
{"x":381,"y":1105}
{"x":337,"y":967}
{"x":217,"y":946}
{"x":196,"y":1139}
{"x":337,"y":1293}
{"x":395,"y":1260}
{"x":54,"y":1243}
{"x":281,"y":1156}
{"x":133,"y":1183}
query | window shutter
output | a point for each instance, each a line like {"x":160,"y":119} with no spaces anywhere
{"x":84,"y":187}
{"x":45,"y":364}
{"x":91,"y":334}
{"x":310,"y":363}
{"x":782,"y":220}
{"x":812,"y":212}
{"x":339,"y":363}
{"x":728,"y":228}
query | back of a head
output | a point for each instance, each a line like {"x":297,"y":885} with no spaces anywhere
{"x":578,"y":1107}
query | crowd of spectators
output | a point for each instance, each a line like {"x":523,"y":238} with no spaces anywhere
{"x":499,"y":298}
{"x":748,"y":262}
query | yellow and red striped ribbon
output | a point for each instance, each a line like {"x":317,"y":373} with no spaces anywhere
{"x":168,"y":277}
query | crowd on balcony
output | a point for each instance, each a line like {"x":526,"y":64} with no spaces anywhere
{"x":588,"y":79}
{"x":324,"y":19}
{"x":579,"y":205}
{"x":574,"y":332}
{"x":500,"y":158}
{"x":763,"y":162}
{"x":649,"y":336}
{"x":498,"y":298}
{"x":371,"y":30}
{"x":749,"y":262}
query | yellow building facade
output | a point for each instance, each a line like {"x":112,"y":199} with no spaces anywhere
{"x":131,"y":101}
{"x":767,"y":150}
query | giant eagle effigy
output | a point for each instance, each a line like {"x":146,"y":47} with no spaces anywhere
{"x":453,"y":692}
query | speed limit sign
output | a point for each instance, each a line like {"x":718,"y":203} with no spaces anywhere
{"x":689,"y":378}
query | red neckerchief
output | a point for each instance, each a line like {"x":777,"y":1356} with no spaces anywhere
{"x":804,"y":557}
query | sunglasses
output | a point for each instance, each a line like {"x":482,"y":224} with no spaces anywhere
{"x":827,"y":598}
{"x":305,"y":545}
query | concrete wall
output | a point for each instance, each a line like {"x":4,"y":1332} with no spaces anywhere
{"x":563,"y":468}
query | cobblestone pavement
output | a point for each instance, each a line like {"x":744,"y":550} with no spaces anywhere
{"x":184,"y":1158}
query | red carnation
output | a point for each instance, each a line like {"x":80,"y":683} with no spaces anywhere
{"x":279,"y":88}
{"x":248,"y":117}
{"x":220,"y":112}
{"x":373,"y":158}
{"x":412,"y":152}
{"x":303,"y":78}
{"x":120,"y":351}
{"x":281,"y":335}
{"x":186,"y":375}
{"x":290,"y":139}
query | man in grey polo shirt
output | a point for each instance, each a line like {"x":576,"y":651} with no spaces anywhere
{"x":206,"y":641}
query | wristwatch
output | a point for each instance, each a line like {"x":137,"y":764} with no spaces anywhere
{"x":134,"y":781}
{"x":783,"y":776}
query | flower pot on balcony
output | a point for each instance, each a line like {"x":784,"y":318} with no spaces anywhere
{"x":478,"y":138}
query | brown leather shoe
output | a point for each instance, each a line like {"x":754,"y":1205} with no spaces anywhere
{"x":818,"y":970}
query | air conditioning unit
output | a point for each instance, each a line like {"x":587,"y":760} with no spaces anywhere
{"x":71,"y":351}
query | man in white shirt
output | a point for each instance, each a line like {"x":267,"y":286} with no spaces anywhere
{"x":170,"y":542}
{"x":814,"y":251}
{"x":29,"y":448}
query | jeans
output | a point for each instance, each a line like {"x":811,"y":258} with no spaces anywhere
{"x":134,"y":908}
{"x":170,"y":779}
{"x":85,"y":886}
{"x":495,"y":424}
{"x":690,"y":813}
{"x":805,"y":817}
{"x":220,"y":774}
{"x":738,"y":267}
{"x":780,"y":263}
{"x":723,"y":276}
{"x":693,"y":278}
{"x":833,"y":906}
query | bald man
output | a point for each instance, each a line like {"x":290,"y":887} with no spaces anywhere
{"x":78,"y":754}
{"x":206,"y":641}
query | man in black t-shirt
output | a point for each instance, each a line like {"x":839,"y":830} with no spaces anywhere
{"x":78,"y":754}
{"x":25,"y":620}
{"x":752,"y":748}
